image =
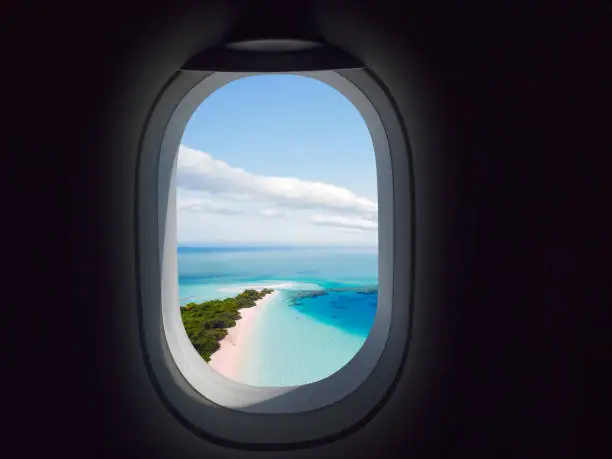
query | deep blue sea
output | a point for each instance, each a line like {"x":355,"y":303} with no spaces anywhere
{"x":317,"y":323}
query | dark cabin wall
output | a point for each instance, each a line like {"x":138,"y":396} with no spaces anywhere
{"x":495,"y":116}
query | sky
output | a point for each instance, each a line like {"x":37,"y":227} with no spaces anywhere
{"x":276,"y":160}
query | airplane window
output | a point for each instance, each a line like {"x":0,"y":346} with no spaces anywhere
{"x":277,"y":230}
{"x":270,"y":229}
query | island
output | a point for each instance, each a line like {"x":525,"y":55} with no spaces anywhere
{"x":207,"y":323}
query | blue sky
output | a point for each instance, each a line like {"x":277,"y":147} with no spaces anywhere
{"x":276,"y":159}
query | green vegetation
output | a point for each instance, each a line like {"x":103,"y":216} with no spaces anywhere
{"x":207,"y":323}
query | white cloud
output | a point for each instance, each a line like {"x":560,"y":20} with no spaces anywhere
{"x":200,"y":171}
{"x":212,"y":229}
{"x":272,"y":213}
{"x":199,"y":204}
{"x":344,"y":222}
{"x":351,"y":230}
{"x":247,"y":206}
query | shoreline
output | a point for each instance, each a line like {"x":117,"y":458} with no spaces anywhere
{"x":225,"y":359}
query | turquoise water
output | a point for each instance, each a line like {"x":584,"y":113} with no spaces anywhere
{"x":317,"y":323}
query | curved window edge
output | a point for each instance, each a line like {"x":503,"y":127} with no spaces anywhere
{"x":224,"y":409}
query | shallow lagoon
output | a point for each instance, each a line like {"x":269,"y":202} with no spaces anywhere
{"x":320,"y":320}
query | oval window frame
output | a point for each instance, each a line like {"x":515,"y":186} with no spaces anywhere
{"x":216,"y":407}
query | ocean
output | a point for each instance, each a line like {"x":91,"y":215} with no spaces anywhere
{"x":320,"y":319}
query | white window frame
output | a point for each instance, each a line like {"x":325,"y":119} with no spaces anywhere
{"x":211,"y":404}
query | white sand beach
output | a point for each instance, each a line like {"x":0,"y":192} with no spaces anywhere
{"x":226,"y":359}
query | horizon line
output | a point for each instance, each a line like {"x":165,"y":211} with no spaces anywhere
{"x":264,"y":244}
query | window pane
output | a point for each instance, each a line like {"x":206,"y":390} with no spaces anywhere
{"x":277,"y":230}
